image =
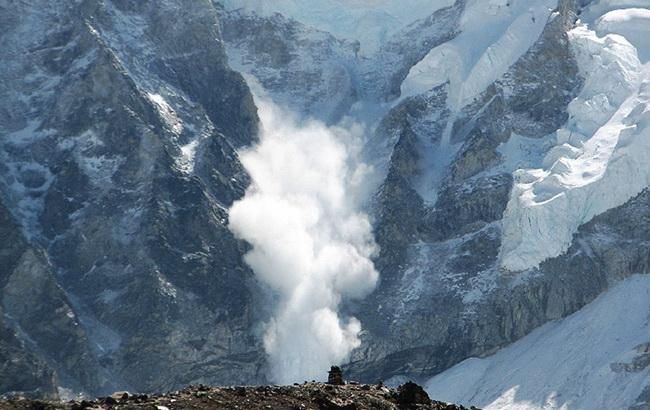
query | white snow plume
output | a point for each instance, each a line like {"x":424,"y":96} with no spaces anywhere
{"x":310,"y":241}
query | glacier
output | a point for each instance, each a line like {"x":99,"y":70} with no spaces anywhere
{"x":602,"y":149}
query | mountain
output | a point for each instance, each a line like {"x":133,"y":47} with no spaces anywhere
{"x":496,"y":148}
{"x":118,"y":165}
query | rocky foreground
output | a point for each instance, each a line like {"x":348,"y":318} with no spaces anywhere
{"x":317,"y":396}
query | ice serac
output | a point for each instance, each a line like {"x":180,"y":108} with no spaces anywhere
{"x":590,"y":168}
{"x":631,"y":23}
{"x":118,"y":129}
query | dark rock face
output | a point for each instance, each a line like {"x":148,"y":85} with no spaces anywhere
{"x":307,"y":70}
{"x":399,"y":226}
{"x":118,"y":164}
{"x":21,"y":369}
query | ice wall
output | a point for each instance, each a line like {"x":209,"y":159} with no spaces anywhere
{"x":600,"y":158}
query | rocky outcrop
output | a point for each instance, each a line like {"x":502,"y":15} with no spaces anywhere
{"x":307,"y":395}
{"x":23,"y":370}
{"x":306,"y":70}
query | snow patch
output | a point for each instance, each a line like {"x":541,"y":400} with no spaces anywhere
{"x":188,"y":155}
{"x":575,"y":363}
{"x":167,"y":113}
{"x":98,"y":167}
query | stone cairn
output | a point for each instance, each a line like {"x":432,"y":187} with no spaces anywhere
{"x":335,"y":376}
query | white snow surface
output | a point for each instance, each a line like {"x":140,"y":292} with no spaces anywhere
{"x":633,"y":24}
{"x":575,"y":363}
{"x":599,"y":160}
{"x":369,"y":21}
{"x":493,"y":35}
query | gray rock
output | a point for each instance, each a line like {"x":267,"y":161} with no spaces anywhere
{"x":135,"y":281}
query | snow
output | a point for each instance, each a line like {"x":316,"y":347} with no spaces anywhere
{"x":311,"y":243}
{"x":167,"y":113}
{"x":99,"y":168}
{"x":601,"y":7}
{"x":369,"y":21}
{"x":633,"y":24}
{"x":524,"y":152}
{"x":599,"y":160}
{"x":494,"y":34}
{"x":188,"y":155}
{"x":435,"y":160}
{"x":575,"y":363}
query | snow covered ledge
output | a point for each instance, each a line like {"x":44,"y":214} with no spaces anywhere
{"x":599,"y":161}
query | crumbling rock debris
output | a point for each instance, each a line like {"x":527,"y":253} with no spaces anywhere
{"x":306,"y":396}
{"x":411,"y":396}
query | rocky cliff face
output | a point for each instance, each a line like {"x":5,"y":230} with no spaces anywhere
{"x":119,"y":136}
{"x":119,"y":129}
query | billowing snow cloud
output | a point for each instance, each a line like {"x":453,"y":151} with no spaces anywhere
{"x":310,"y":242}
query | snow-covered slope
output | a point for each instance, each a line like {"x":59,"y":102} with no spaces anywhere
{"x":369,"y":21}
{"x":493,"y":35}
{"x":599,"y":161}
{"x":595,"y":359}
{"x":633,"y":24}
